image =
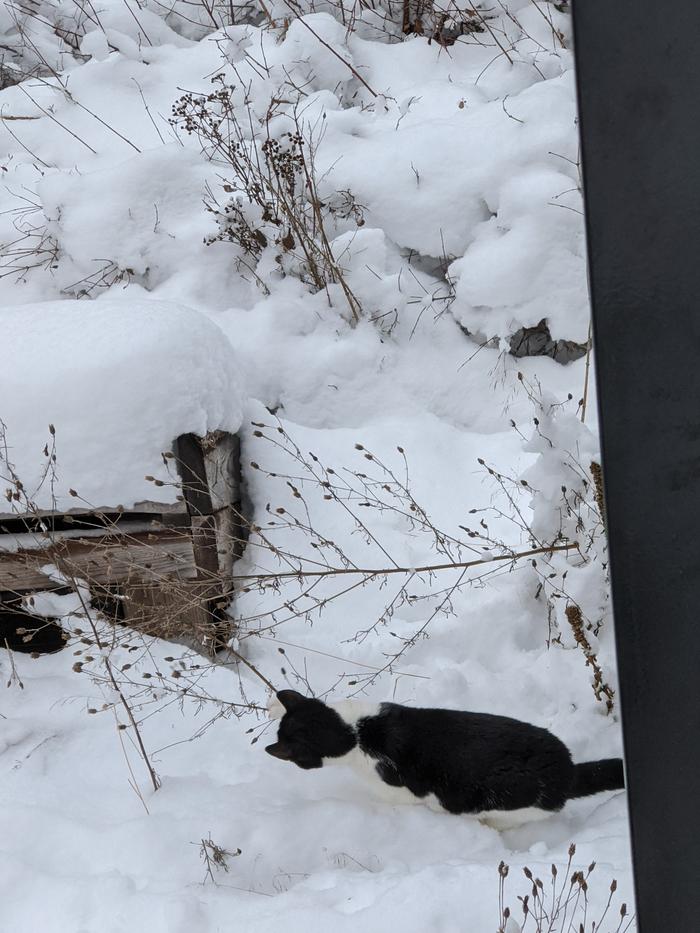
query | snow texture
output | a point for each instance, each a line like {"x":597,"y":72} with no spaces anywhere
{"x":119,"y":380}
{"x":450,"y":180}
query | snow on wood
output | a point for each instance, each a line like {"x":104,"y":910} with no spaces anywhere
{"x":119,"y":380}
{"x":147,"y":361}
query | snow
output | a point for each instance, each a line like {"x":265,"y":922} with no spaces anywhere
{"x":119,"y":380}
{"x":454,"y":181}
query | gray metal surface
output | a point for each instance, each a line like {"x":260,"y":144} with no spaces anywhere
{"x":639,"y":86}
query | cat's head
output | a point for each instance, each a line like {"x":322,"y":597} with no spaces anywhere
{"x":309,"y":731}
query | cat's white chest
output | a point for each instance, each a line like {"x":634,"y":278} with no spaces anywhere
{"x":366,"y":767}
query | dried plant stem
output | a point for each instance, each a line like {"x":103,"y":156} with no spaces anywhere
{"x":295,"y":9}
{"x":77,"y":588}
{"x":600,"y":687}
{"x":597,"y":474}
{"x":427,"y":568}
{"x":252,"y":668}
{"x":589,"y":346}
{"x":47,"y":113}
{"x":484,"y":22}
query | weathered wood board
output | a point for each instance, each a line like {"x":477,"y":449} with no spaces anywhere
{"x":169,"y":566}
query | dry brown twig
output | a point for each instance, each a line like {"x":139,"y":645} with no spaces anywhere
{"x":215,"y":858}
{"x":65,"y":575}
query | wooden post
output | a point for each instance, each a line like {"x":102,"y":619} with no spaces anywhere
{"x":209,"y":469}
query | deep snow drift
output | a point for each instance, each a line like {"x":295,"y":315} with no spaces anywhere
{"x":448,"y":186}
{"x":119,"y":380}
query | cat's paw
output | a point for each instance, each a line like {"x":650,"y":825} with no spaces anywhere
{"x":275,"y":710}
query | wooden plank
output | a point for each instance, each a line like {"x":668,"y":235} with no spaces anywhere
{"x":204,"y":545}
{"x":222,"y":469}
{"x":211,"y":475}
{"x":230,"y":539}
{"x":169,"y":565}
{"x":155,"y":508}
{"x":176,"y":611}
{"x":103,"y":561}
{"x":193,"y":476}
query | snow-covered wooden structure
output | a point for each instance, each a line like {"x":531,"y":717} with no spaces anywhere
{"x":157,"y":566}
{"x":159,"y":561}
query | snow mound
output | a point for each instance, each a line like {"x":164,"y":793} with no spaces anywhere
{"x":119,"y":380}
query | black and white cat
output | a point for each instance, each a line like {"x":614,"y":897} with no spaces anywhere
{"x":475,"y":763}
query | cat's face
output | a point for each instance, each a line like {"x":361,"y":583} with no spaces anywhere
{"x":309,"y":731}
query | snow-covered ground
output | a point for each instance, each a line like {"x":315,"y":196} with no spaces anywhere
{"x":448,"y":183}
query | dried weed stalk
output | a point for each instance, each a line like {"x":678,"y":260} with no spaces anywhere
{"x":576,"y":513}
{"x":215,"y":858}
{"x":603,"y":691}
{"x":34,"y":248}
{"x":17,"y":495}
{"x":562,"y":903}
{"x":597,"y":474}
{"x":273,"y":200}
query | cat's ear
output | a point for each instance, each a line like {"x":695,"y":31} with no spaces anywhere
{"x":290,"y":699}
{"x":279,"y":750}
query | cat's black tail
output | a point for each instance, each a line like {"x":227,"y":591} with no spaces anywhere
{"x":591,"y":777}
